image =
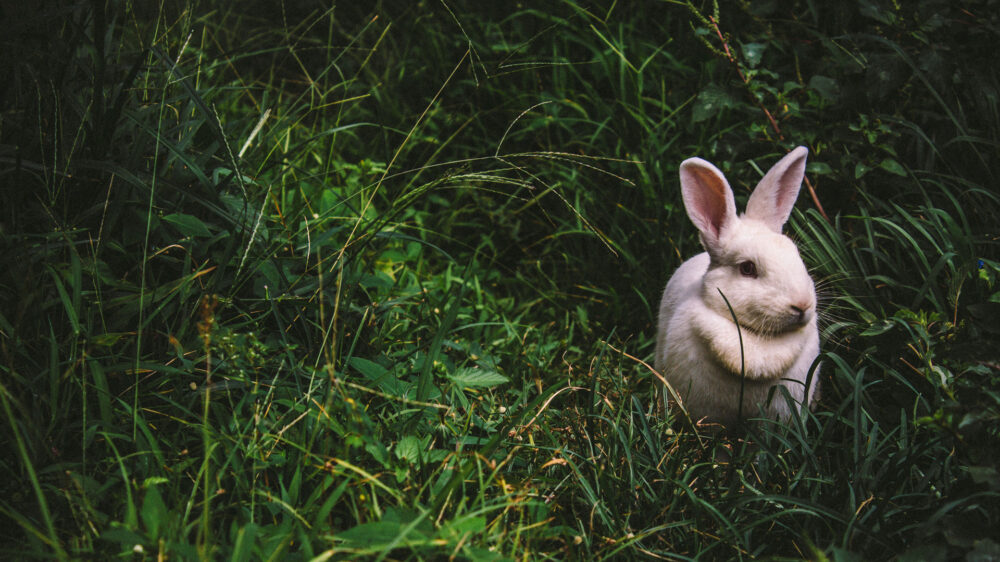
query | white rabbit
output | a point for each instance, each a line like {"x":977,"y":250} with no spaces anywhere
{"x":759,"y":271}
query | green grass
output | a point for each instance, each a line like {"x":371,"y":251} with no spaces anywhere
{"x":288,"y":281}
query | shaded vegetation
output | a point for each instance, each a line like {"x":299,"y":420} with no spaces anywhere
{"x":294,"y":281}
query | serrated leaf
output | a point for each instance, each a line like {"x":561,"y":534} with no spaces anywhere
{"x":709,"y":102}
{"x":188,"y":225}
{"x":477,"y":378}
{"x":409,"y":448}
{"x":753,"y":53}
{"x":378,"y":452}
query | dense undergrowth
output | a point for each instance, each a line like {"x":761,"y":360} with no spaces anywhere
{"x":293,"y":280}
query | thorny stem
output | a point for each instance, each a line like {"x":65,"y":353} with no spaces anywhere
{"x":743,"y":78}
{"x":770,"y":118}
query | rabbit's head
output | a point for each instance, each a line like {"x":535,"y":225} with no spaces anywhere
{"x":753,"y":264}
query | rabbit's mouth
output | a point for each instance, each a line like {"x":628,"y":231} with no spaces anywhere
{"x":777,"y":326}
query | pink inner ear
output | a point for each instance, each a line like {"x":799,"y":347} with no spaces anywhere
{"x":773,"y":198}
{"x":789,"y":192}
{"x":788,"y":187}
{"x":710,"y":200}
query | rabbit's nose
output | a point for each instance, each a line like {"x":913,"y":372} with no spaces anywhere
{"x":799,"y":314}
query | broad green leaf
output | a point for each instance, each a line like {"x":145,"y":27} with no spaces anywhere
{"x":398,"y":526}
{"x":466,"y":525}
{"x":409,"y":448}
{"x":893,"y":167}
{"x":378,"y":452}
{"x":819,"y":168}
{"x":329,"y":200}
{"x":386,"y":381}
{"x":710,"y":101}
{"x":826,"y":87}
{"x":477,"y":378}
{"x":154,"y":511}
{"x":370,"y":369}
{"x":243,"y":549}
{"x":188,"y":225}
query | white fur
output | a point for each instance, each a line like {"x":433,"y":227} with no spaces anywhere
{"x":698,"y":348}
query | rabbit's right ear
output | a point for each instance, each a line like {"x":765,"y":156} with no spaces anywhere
{"x":773,"y":198}
{"x":707,"y":198}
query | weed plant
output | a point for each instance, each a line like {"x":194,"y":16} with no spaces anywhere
{"x":306,"y":281}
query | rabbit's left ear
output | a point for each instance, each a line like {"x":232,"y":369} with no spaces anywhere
{"x":772,"y":200}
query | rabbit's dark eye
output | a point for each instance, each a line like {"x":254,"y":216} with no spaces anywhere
{"x":748,"y":269}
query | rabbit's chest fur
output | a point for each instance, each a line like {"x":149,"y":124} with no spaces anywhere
{"x":699,"y":353}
